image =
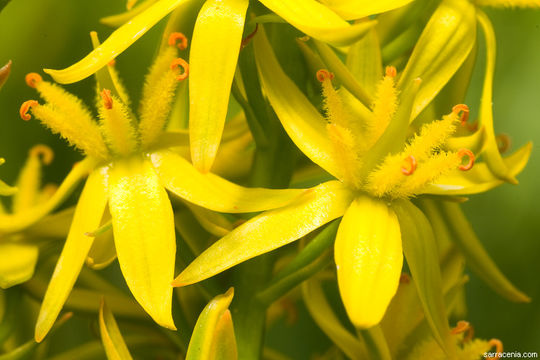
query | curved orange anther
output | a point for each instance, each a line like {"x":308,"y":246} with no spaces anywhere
{"x":461,"y":327}
{"x":46,"y":153}
{"x":23,"y":111}
{"x":32,"y":79}
{"x":498,"y":348}
{"x":411,"y":162}
{"x":404,"y":278}
{"x":324,"y":74}
{"x":184,"y":65}
{"x":178,"y":39}
{"x":391,"y":71}
{"x":464,"y":110}
{"x":466,"y":152}
{"x":248,"y":38}
{"x":107,"y":99}
{"x":503,"y":142}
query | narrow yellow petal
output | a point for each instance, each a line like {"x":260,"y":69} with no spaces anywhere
{"x":318,"y":21}
{"x":113,"y":342}
{"x":301,"y":120}
{"x":213,"y":57}
{"x":122,"y":18}
{"x":143,"y":228}
{"x":535,"y":4}
{"x":213,"y":192}
{"x":87,"y":217}
{"x":213,"y":335}
{"x":270,"y":230}
{"x":119,"y":40}
{"x":17,"y":263}
{"x":369,"y":259}
{"x":357,"y":9}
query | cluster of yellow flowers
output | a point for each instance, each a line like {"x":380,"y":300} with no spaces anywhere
{"x":363,"y":144}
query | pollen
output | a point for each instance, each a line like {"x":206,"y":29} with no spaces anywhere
{"x":179,"y":40}
{"x":410,"y":165}
{"x":25,"y":107}
{"x":498,"y":345}
{"x":32,"y":79}
{"x":324,"y":74}
{"x":461,"y":327}
{"x":391,"y":71}
{"x":464,"y":110}
{"x":179,"y":62}
{"x":43,"y":151}
{"x":469,"y":155}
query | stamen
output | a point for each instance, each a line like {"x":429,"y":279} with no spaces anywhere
{"x":464,"y":110}
{"x":498,"y":348}
{"x":324,"y":74}
{"x":248,"y":38}
{"x":466,"y":152}
{"x":391,"y":71}
{"x":107,"y":99}
{"x":404,"y":278}
{"x":178,"y":39}
{"x":32,"y":79}
{"x":503,"y":142}
{"x":185,"y":67}
{"x":23,"y":111}
{"x":46,"y":153}
{"x":411,"y":161}
{"x":461,"y":327}
{"x":112,"y":62}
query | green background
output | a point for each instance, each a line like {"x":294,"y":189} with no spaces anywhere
{"x":54,"y":33}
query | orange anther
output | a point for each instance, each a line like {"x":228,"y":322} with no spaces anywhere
{"x":185,"y":67}
{"x":498,"y":348}
{"x":464,"y":110}
{"x":107,"y":99}
{"x":178,"y":39}
{"x":23,"y":111}
{"x":411,"y":162}
{"x":130,"y":4}
{"x":112,"y":62}
{"x":466,"y":152}
{"x":391,"y":71}
{"x":503,"y":142}
{"x":404,"y":278}
{"x":32,"y":79}
{"x":324,"y":74}
{"x":49,"y":189}
{"x":461,"y":327}
{"x":44,"y":151}
{"x":248,"y":38}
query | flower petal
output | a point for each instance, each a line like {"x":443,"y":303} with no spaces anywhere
{"x":113,"y":342}
{"x":479,"y":178}
{"x":122,"y":18}
{"x":87,"y":217}
{"x":356,"y":9}
{"x":17,"y":263}
{"x":213,"y":336}
{"x":119,"y":41}
{"x":143,"y":227}
{"x":302,"y":121}
{"x":318,"y":21}
{"x":270,"y":230}
{"x":214,"y":53}
{"x":213,"y":192}
{"x":368,"y":259}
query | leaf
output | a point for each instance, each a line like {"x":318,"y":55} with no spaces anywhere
{"x":213,"y":192}
{"x":421,"y":253}
{"x":213,"y":337}
{"x":444,"y":45}
{"x":119,"y":41}
{"x":17,"y":263}
{"x":87,"y":217}
{"x":318,"y":21}
{"x":213,"y":57}
{"x":301,"y":120}
{"x":357,"y":9}
{"x":269,"y":230}
{"x":479,"y":178}
{"x":477,"y":258}
{"x":143,"y":227}
{"x":115,"y":346}
{"x":368,"y":259}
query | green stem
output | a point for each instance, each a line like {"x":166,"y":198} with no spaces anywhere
{"x":376,"y":343}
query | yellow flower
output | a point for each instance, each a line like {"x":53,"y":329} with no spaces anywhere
{"x":217,"y":39}
{"x":130,"y":166}
{"x":379,"y":168}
